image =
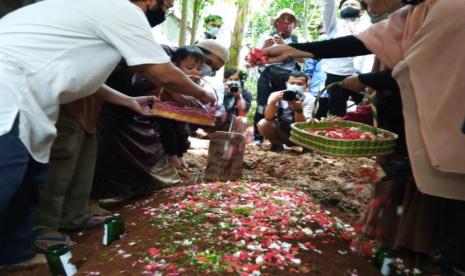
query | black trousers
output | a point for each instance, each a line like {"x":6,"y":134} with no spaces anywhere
{"x":174,"y":137}
{"x":266,"y":84}
{"x":322,"y":110}
{"x":453,"y":236}
{"x":338,"y":96}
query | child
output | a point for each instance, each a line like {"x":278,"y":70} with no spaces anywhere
{"x":174,"y":135}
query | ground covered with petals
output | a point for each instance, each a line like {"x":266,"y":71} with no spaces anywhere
{"x":231,"y":228}
{"x":281,"y":219}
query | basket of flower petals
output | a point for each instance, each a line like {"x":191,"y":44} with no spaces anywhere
{"x":193,"y":112}
{"x":344,"y":138}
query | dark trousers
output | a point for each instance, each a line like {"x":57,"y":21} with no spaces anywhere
{"x":338,"y":96}
{"x":266,"y":85}
{"x":322,"y":110}
{"x":20,"y":180}
{"x":453,"y":236}
{"x":174,"y":137}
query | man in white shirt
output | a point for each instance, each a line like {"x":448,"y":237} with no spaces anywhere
{"x":55,"y":52}
{"x":285,"y":108}
{"x":352,"y":21}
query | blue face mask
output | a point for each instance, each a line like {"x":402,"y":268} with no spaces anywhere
{"x":207,"y":71}
{"x":213,"y":31}
{"x":296,"y":88}
{"x":323,"y":37}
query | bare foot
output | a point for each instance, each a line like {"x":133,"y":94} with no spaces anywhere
{"x":266,"y":145}
{"x":201,"y":134}
{"x":174,"y":161}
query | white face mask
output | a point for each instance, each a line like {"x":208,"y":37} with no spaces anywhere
{"x":296,"y":88}
{"x":207,"y":71}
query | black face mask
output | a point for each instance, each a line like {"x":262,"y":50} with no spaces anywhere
{"x":349,"y":12}
{"x":157,"y":16}
{"x":412,"y":2}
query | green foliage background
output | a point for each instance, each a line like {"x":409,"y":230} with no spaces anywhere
{"x":260,"y":24}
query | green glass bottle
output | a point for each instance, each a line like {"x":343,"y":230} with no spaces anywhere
{"x":113,"y":228}
{"x":383,"y":259}
{"x":59,"y":260}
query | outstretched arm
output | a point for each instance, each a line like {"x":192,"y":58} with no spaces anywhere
{"x":140,"y":105}
{"x":346,"y":46}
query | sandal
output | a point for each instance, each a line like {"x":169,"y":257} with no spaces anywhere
{"x":36,"y":261}
{"x":95,"y":209}
{"x":90,"y":222}
{"x":47,"y":239}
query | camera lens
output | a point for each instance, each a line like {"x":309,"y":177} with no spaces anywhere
{"x":290,"y":96}
{"x":233,"y":87}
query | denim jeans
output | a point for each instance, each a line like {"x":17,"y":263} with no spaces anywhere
{"x":20,"y":180}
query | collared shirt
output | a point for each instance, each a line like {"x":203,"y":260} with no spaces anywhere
{"x":336,"y":27}
{"x":58,"y":51}
{"x":312,"y":68}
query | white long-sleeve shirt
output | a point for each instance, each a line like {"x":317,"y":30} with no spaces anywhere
{"x":336,"y":27}
{"x":57,"y":51}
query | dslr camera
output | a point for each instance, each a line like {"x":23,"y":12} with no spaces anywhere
{"x":233,"y":86}
{"x":292,"y":95}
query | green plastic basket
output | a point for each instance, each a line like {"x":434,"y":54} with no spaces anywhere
{"x":343,"y":147}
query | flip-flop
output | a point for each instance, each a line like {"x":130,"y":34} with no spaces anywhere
{"x":95,"y":209}
{"x":44,"y":241}
{"x":36,"y":261}
{"x":89,"y":224}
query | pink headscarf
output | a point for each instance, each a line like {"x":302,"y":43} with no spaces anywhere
{"x":424,"y":44}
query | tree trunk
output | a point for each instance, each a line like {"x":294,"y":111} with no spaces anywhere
{"x":195,"y":20}
{"x":183,"y":27}
{"x":238,"y":34}
{"x":305,"y":21}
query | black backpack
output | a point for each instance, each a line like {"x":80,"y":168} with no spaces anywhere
{"x":278,"y":74}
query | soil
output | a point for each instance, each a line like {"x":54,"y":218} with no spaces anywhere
{"x":331,"y":182}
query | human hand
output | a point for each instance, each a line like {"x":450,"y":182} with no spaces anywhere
{"x":353,"y":83}
{"x":296,"y":104}
{"x":276,"y":97}
{"x":268,"y":42}
{"x":256,"y":57}
{"x":239,"y":94}
{"x":142,"y":105}
{"x":278,"y":53}
{"x":207,"y":97}
{"x":278,"y":40}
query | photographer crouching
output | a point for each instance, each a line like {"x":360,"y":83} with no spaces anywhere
{"x":236,"y":102}
{"x":285,"y":108}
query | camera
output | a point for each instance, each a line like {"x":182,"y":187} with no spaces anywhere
{"x":234,"y":86}
{"x":292,"y":95}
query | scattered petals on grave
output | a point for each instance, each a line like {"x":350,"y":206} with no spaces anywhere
{"x":243,"y":228}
